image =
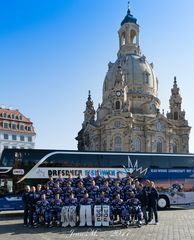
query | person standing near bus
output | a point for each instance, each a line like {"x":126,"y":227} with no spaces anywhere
{"x":25,"y":199}
{"x":142,"y":195}
{"x":33,"y":198}
{"x":152,"y":203}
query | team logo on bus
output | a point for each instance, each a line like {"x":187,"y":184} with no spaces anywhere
{"x":134,"y":168}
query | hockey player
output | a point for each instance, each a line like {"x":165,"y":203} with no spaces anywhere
{"x":57,"y":189}
{"x":51,"y":182}
{"x":116,"y":208}
{"x":133,"y":207}
{"x":102,"y":199}
{"x":69,"y":179}
{"x":88,"y":180}
{"x":80,"y":191}
{"x":66,"y":191}
{"x":118,"y":178}
{"x":102,"y":210}
{"x":127,"y":189}
{"x":125,"y":179}
{"x":86,"y":205}
{"x":42,"y":211}
{"x":79,"y":178}
{"x":106,"y":189}
{"x":55,"y":213}
{"x":93,"y":190}
{"x":116,"y":189}
{"x":109,"y":179}
{"x":49,"y":193}
{"x":60,"y":180}
{"x":69,"y":211}
{"x":99,"y":179}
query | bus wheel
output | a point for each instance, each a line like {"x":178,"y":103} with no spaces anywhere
{"x":163,"y":202}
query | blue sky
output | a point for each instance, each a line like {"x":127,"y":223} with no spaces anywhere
{"x":53,"y":52}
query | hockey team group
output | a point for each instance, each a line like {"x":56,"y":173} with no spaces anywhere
{"x":90,"y":201}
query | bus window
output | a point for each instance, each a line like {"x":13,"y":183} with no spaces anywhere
{"x":7,"y":161}
{"x":6,"y":186}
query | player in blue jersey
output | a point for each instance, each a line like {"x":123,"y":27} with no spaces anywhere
{"x":42,"y":211}
{"x":88,"y":179}
{"x":60,"y":180}
{"x":69,"y":211}
{"x":99,"y":179}
{"x":80,"y":191}
{"x":116,"y":189}
{"x":51,"y":182}
{"x":57,"y":189}
{"x":127,"y":189}
{"x":133,"y":210}
{"x":93,"y":190}
{"x":66,"y":191}
{"x":116,"y":208}
{"x":106,"y":189}
{"x":109,"y":179}
{"x":55,"y":213}
{"x":86,"y":205}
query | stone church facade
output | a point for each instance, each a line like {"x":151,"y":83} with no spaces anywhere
{"x":129,"y":117}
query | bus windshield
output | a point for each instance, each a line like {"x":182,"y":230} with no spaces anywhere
{"x":7,"y":160}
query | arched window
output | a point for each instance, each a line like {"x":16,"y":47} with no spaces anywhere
{"x":117,"y":143}
{"x":175,"y":147}
{"x":123,"y":39}
{"x":146,"y":77}
{"x":117,"y":124}
{"x":159,"y":146}
{"x":133,"y":38}
{"x":137,"y":145}
{"x":118,"y":105}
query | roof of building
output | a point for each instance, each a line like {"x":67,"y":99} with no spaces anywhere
{"x":129,"y":18}
{"x":15,"y":116}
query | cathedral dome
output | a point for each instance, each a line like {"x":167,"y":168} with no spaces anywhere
{"x":139,"y":76}
{"x":129,"y":18}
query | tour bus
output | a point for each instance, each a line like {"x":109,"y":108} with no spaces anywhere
{"x":173,"y":174}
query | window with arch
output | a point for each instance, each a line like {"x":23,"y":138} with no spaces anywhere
{"x":123,"y":39}
{"x":117,"y":124}
{"x":4,"y":115}
{"x":174,"y":147}
{"x":133,"y":37}
{"x":159,"y":146}
{"x":117,"y":144}
{"x":137,"y":144}
{"x":118,"y":105}
{"x":146,"y":77}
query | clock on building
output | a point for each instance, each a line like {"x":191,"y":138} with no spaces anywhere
{"x":118,"y":93}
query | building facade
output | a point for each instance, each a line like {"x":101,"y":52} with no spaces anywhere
{"x":129,"y":117}
{"x":16,"y":130}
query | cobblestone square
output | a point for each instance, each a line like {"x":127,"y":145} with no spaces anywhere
{"x":175,"y":224}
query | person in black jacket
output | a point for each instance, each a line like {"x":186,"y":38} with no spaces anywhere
{"x":152,"y":202}
{"x":25,"y":199}
{"x":142,"y":195}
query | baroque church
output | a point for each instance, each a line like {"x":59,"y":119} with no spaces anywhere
{"x":129,"y":117}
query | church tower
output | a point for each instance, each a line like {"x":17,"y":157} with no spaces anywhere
{"x":129,"y":118}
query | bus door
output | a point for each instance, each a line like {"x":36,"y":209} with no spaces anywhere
{"x":8,"y":200}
